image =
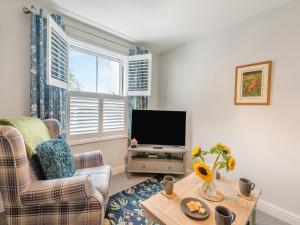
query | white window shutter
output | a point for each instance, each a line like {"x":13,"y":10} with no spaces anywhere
{"x":83,"y":115}
{"x":57,"y":55}
{"x":94,"y":116}
{"x":139,"y":75}
{"x":114,"y":111}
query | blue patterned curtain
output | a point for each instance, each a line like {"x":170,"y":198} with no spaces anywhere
{"x":136,"y":102}
{"x":45,"y":101}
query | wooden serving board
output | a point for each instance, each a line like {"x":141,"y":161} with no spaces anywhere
{"x":168,"y":196}
{"x":218,"y":198}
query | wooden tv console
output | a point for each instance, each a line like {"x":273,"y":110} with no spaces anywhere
{"x":152,"y":159}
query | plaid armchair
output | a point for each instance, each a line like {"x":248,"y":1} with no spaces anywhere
{"x":28,"y":200}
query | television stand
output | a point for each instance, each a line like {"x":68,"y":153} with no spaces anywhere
{"x":158,"y":147}
{"x":150,"y":159}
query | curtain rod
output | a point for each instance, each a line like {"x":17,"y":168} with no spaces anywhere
{"x":28,"y":11}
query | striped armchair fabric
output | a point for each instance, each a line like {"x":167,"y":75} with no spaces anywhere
{"x":28,"y":200}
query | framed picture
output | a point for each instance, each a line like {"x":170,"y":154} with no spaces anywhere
{"x":253,"y":83}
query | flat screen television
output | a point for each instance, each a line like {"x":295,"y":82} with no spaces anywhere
{"x":153,"y":127}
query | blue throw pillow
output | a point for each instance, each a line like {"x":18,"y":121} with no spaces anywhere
{"x":56,"y":158}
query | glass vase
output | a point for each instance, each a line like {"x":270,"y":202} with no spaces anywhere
{"x":209,"y":187}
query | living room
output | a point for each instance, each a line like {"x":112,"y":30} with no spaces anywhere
{"x":155,"y":102}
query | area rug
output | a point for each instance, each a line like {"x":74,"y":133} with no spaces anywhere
{"x":124,"y":208}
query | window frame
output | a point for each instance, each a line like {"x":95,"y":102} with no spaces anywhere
{"x":99,"y":136}
{"x":103,"y":53}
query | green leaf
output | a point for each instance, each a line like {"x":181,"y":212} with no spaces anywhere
{"x":214,"y":150}
{"x":222,"y":165}
{"x":205,"y":153}
{"x":225,"y":156}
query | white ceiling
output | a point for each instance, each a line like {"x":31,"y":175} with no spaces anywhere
{"x":162,"y":24}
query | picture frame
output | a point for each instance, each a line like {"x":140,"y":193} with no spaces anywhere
{"x":253,"y":84}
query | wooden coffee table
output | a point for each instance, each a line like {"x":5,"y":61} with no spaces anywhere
{"x":166,"y":211}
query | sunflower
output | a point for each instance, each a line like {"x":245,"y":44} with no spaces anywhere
{"x":196,"y":151}
{"x":223,"y":148}
{"x":227,"y":150}
{"x":219,"y":145}
{"x":231,"y":163}
{"x":203,"y":171}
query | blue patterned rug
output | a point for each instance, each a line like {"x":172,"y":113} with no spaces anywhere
{"x":124,"y":207}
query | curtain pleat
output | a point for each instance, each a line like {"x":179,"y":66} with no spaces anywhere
{"x":45,"y":101}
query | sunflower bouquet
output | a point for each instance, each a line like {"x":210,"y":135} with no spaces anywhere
{"x":223,"y":159}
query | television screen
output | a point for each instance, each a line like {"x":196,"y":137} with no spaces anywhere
{"x":159,"y":127}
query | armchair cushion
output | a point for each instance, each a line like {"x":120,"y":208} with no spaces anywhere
{"x":54,"y":191}
{"x":56,"y":158}
{"x":33,"y":130}
{"x":100,"y":177}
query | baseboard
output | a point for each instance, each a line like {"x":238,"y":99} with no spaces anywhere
{"x":117,"y":170}
{"x":278,"y":212}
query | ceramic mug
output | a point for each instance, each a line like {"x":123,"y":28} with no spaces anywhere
{"x":223,"y":216}
{"x":246,"y":186}
{"x":168,"y":184}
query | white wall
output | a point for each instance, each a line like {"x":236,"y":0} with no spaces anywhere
{"x":14,"y":59}
{"x":199,"y":77}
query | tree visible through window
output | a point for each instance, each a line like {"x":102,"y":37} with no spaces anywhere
{"x":74,"y":84}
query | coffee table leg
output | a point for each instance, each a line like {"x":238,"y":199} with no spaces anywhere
{"x":150,"y":219}
{"x":253,"y":217}
{"x":149,"y":222}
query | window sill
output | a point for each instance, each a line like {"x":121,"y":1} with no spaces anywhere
{"x":93,"y":140}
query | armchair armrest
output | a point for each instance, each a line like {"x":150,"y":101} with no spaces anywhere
{"x":88,"y":159}
{"x":52,"y":191}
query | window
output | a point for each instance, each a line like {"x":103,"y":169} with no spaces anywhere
{"x":82,"y":76}
{"x":97,"y":107}
{"x":93,"y":70}
{"x":109,"y":76}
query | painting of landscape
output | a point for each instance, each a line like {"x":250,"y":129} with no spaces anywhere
{"x":252,"y":83}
